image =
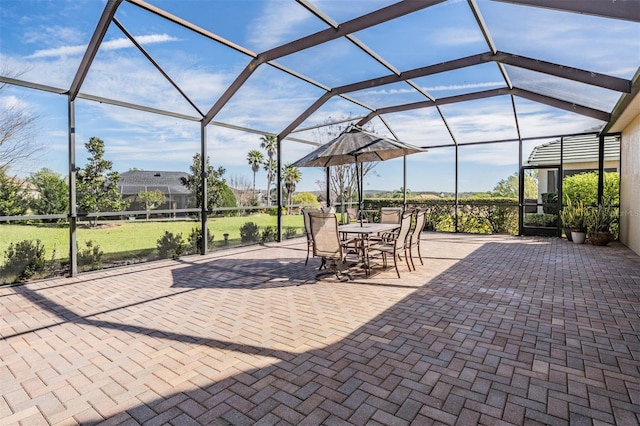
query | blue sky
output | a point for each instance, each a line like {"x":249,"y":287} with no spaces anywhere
{"x":44,"y":42}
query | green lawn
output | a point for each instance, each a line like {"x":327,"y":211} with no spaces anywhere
{"x":120,"y":239}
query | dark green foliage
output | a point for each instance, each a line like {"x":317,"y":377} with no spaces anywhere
{"x":584,"y":187}
{"x":469,"y":222}
{"x":268,"y":234}
{"x":501,"y":219}
{"x":541,"y":219}
{"x":24,"y":259}
{"x":215,"y":183}
{"x":90,"y":258}
{"x":195,"y":239}
{"x":52,"y":193}
{"x":170,"y":245}
{"x":97,"y":183}
{"x":249,"y":233}
{"x":475,"y":215}
{"x":290,"y":232}
{"x":228,"y":199}
{"x":12,"y":200}
{"x":550,"y":198}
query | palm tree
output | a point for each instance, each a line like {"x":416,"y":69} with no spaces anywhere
{"x":270,"y":167}
{"x":255,"y":159}
{"x":291,"y":176}
{"x":270,"y":144}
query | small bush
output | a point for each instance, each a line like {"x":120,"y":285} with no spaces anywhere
{"x":90,"y":258}
{"x":540,"y":219}
{"x":290,"y":232}
{"x":195,"y":239}
{"x":268,"y":234}
{"x":502,"y":219}
{"x":249,"y":233}
{"x":24,"y":259}
{"x":170,"y":245}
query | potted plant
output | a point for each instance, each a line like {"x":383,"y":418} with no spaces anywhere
{"x":578,"y":219}
{"x":600,"y":220}
{"x":566,"y":217}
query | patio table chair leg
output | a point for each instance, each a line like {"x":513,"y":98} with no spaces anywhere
{"x":409,"y":257}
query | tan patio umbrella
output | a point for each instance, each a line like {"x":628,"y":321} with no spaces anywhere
{"x":356,"y":145}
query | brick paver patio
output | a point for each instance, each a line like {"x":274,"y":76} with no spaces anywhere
{"x":491,"y":330}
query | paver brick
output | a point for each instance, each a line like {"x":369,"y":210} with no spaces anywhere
{"x":491,"y":330}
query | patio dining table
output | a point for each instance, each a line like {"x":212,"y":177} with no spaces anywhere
{"x":364,"y":231}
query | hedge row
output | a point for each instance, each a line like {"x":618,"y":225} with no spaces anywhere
{"x":475,"y":215}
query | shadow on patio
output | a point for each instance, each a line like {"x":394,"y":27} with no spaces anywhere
{"x":490,"y":329}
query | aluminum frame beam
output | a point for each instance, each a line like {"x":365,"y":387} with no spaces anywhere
{"x":92,"y":49}
{"x":576,"y":74}
{"x":547,"y":100}
{"x":379,"y":16}
{"x":628,"y":10}
{"x":156,"y":65}
{"x":365,"y":21}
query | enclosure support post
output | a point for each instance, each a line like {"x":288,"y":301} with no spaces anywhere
{"x":404,"y":181}
{"x":600,"y":168}
{"x":203,"y":186}
{"x":456,"y":194}
{"x":73,"y":208}
{"x":279,"y":188}
{"x":520,"y":189}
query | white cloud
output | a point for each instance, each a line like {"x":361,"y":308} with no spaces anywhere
{"x":275,"y":24}
{"x":467,"y":86}
{"x":45,"y":34}
{"x":115,"y":44}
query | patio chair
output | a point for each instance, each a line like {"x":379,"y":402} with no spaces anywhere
{"x":390,"y":214}
{"x":326,"y":242}
{"x":413,"y":238}
{"x":307,"y":231}
{"x":354,"y":216}
{"x":394,"y":243}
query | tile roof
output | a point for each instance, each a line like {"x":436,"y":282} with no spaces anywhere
{"x":134,"y":181}
{"x":577,"y":149}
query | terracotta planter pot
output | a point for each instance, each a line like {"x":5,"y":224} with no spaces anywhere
{"x":600,"y":238}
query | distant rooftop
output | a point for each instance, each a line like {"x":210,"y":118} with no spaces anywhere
{"x":134,"y":181}
{"x":577,"y":149}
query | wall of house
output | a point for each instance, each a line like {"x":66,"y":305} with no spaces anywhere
{"x":629,"y":184}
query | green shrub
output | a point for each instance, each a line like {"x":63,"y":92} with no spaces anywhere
{"x":268,"y":234}
{"x":502,"y":219}
{"x":195,"y":239}
{"x":249,"y":233}
{"x":540,"y":219}
{"x":584,"y":187}
{"x":24,"y":259}
{"x":290,"y":232}
{"x":170,"y":245}
{"x":90,"y":258}
{"x":550,"y":198}
{"x":470,"y":223}
{"x":273,"y":211}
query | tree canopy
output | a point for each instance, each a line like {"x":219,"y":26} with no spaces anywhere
{"x":51,"y":193}
{"x":509,"y":187}
{"x":215,"y":183}
{"x":96,"y":183}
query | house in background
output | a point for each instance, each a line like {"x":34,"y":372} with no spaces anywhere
{"x":579,"y":155}
{"x":134,"y":181}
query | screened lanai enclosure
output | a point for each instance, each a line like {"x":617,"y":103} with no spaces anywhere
{"x":118,"y":114}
